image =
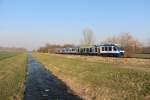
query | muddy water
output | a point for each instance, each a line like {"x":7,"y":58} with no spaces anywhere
{"x":43,"y":85}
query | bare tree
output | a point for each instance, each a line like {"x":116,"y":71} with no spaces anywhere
{"x":146,"y":48}
{"x":111,"y":39}
{"x":48,"y":48}
{"x":51,"y":48}
{"x":130,"y":44}
{"x":88,"y":36}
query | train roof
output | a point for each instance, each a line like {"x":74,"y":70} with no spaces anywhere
{"x":90,"y":46}
{"x":108,"y":45}
{"x":87,"y":46}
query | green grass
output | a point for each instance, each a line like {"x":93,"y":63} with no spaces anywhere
{"x":145,"y":56}
{"x":98,"y":80}
{"x":4,"y":55}
{"x":12,"y":76}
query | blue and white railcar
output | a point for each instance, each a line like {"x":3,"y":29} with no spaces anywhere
{"x":110,"y":50}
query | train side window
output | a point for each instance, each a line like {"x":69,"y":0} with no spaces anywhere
{"x":102,"y":48}
{"x":90,"y":49}
{"x":105,"y":48}
{"x":110,"y":48}
{"x":87,"y":49}
{"x":95,"y":49}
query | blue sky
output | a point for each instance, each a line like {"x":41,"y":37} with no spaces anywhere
{"x":32,"y":23}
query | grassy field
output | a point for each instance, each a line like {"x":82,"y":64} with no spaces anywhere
{"x":12,"y":76}
{"x":4,"y":55}
{"x":145,"y":56}
{"x":100,"y":78}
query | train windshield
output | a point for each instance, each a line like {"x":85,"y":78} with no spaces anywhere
{"x":118,"y":48}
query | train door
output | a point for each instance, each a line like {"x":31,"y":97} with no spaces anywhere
{"x":96,"y":51}
{"x":99,"y":50}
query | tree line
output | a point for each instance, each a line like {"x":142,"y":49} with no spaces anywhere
{"x":12,"y":49}
{"x":50,"y":48}
{"x":129,"y":43}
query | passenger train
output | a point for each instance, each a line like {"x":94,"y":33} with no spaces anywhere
{"x":112,"y":50}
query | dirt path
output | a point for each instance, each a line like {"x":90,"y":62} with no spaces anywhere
{"x":43,"y":85}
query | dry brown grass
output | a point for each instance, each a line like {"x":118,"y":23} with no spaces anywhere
{"x":100,"y":79}
{"x":12,"y":77}
{"x":131,"y":61}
